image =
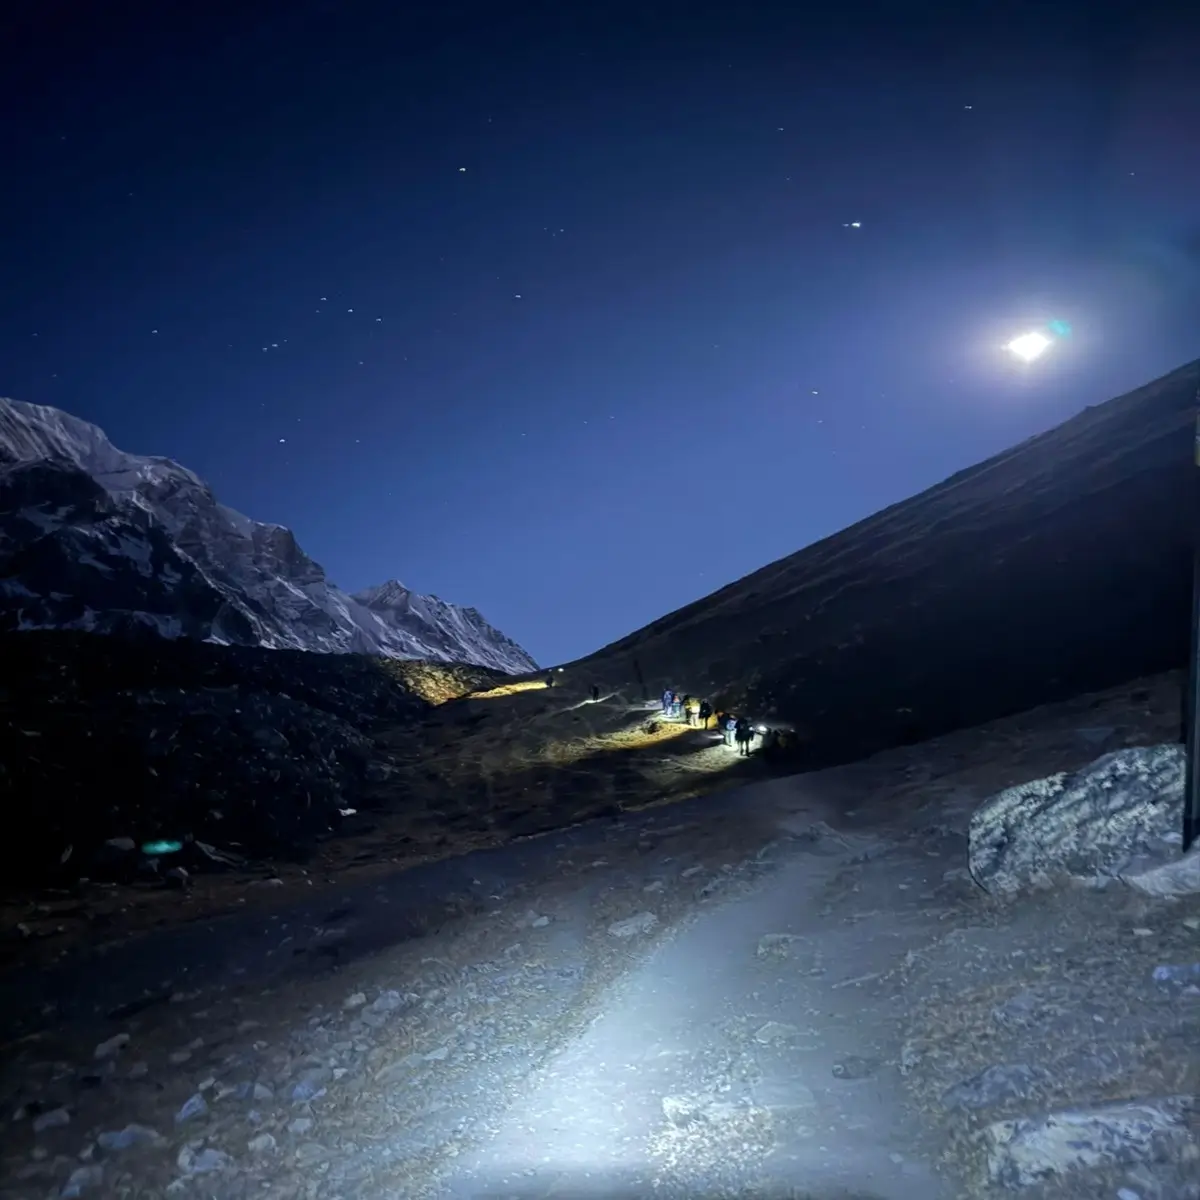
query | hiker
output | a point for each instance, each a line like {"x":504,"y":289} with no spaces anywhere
{"x":676,"y":706}
{"x":744,"y":733}
{"x":550,"y":679}
{"x":770,"y":745}
{"x":729,"y":728}
{"x":705,"y":714}
{"x":693,"y":711}
{"x":667,"y":697}
{"x":595,"y":693}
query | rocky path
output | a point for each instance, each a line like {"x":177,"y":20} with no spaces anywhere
{"x":789,"y":990}
{"x":753,"y":1053}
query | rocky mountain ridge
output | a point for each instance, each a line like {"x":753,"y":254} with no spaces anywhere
{"x":97,"y":540}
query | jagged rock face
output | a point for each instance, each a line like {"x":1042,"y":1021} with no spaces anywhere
{"x":95,"y":539}
{"x":1117,"y":818}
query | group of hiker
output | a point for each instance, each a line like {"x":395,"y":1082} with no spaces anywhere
{"x":736,"y":731}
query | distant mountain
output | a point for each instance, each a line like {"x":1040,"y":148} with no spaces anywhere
{"x":92,"y":538}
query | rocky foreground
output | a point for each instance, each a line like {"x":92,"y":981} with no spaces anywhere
{"x":848,"y":985}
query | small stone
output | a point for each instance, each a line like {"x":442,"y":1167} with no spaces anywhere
{"x":357,"y":1000}
{"x":194,"y":1106}
{"x":681,"y":1110}
{"x":300,"y":1125}
{"x":261,"y":1092}
{"x":855,"y":1066}
{"x":178,"y":1057}
{"x":655,"y":885}
{"x":539,"y":922}
{"x":778,"y":945}
{"x":128,"y":1138}
{"x":639,"y":923}
{"x":1142,"y":931}
{"x":193,"y":1161}
{"x":56,"y":1118}
{"x":387,"y":1002}
{"x":262,"y":1143}
{"x":81,"y":1180}
{"x":1191,"y":923}
{"x":314,"y":1156}
{"x":311,"y":1085}
{"x":112,"y":1047}
{"x":139,"y":1070}
{"x":776,"y":1031}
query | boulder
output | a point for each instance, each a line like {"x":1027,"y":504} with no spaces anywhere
{"x":1116,"y":819}
{"x":1024,"y":1152}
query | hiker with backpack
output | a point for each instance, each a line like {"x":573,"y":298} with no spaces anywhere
{"x":744,"y":734}
{"x":728,"y":728}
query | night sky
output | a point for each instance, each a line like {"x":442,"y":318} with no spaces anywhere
{"x":576,"y":313}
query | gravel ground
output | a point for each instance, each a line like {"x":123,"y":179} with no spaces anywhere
{"x":792,"y":989}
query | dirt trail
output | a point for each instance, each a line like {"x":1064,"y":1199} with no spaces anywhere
{"x":746,"y":994}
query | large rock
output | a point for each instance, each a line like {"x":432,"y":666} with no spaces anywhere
{"x":1117,"y":818}
{"x":1026,"y":1151}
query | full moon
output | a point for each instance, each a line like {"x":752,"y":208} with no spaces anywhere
{"x":1029,"y":346}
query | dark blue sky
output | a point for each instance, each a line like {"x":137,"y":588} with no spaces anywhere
{"x":634,"y":350}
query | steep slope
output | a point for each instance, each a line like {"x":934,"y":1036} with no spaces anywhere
{"x":1059,"y":566}
{"x":92,"y":538}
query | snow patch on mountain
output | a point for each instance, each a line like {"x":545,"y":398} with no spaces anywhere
{"x":96,"y":539}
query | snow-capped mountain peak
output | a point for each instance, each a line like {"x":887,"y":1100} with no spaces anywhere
{"x":392,"y":594}
{"x":94,"y":538}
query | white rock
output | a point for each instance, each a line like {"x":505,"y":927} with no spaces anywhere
{"x":1117,"y":818}
{"x":112,"y":1047}
{"x":56,"y":1118}
{"x":639,"y":923}
{"x":1022,"y":1152}
{"x":1178,"y":878}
